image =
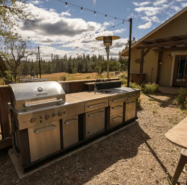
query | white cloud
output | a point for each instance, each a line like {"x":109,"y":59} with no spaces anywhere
{"x":36,"y":2}
{"x":56,"y":28}
{"x":176,"y":8}
{"x":180,"y":0}
{"x":141,"y":4}
{"x":149,"y":11}
{"x":145,"y":26}
{"x":150,"y":19}
{"x":94,"y":1}
{"x":184,"y":4}
{"x":159,"y":2}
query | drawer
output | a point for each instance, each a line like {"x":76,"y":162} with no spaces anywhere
{"x":116,"y":120}
{"x":94,"y":105}
{"x":130,"y":111}
{"x":116,"y":108}
{"x":70,"y":131}
{"x":117,"y":99}
{"x":71,"y":110}
{"x":95,"y":122}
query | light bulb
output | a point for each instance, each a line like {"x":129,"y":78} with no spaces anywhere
{"x":81,"y":9}
{"x":105,"y":16}
{"x":95,"y":13}
{"x":66,"y":4}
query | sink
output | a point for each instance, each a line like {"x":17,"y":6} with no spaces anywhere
{"x":104,"y":91}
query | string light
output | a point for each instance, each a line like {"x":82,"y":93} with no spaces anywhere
{"x":90,"y":10}
{"x":95,"y":13}
{"x":66,"y":4}
{"x":105,"y":16}
{"x":81,"y":9}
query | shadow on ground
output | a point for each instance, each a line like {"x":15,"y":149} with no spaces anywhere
{"x":86,"y":164}
{"x":163,"y":103}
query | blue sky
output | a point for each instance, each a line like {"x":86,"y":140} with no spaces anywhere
{"x":59,"y":24}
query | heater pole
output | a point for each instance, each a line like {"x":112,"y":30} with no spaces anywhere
{"x":39,"y":61}
{"x":107,"y":50}
{"x":130,"y":40}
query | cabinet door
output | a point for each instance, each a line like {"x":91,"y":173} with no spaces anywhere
{"x":95,"y":122}
{"x":70,"y":131}
{"x":130,"y":111}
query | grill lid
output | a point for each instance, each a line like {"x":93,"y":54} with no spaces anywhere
{"x":30,"y":95}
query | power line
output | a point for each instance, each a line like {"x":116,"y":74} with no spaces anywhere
{"x":95,"y":12}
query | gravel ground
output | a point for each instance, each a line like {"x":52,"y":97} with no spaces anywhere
{"x":136,"y":155}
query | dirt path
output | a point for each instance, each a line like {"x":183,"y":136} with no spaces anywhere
{"x":137,"y":155}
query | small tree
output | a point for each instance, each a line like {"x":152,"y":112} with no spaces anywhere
{"x":15,"y":52}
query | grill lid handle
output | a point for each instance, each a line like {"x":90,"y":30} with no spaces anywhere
{"x":43,"y":103}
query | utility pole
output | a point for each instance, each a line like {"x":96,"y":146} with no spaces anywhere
{"x":130,"y":40}
{"x":39,"y":60}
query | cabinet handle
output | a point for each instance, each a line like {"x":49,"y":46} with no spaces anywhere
{"x":117,"y":107}
{"x":50,"y":127}
{"x":131,"y":102}
{"x":91,"y":115}
{"x":71,"y":121}
{"x":120,"y":99}
{"x":119,"y":117}
{"x":97,"y":105}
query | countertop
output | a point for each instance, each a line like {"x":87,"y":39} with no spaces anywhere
{"x":103,"y":82}
{"x":178,"y":134}
{"x":87,"y":96}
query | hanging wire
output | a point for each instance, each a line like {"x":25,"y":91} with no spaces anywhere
{"x":67,"y":3}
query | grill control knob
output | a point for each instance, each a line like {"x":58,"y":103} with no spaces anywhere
{"x":60,"y":113}
{"x":47,"y":116}
{"x":54,"y":114}
{"x":32,"y":120}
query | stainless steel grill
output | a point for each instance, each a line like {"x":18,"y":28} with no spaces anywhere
{"x":35,"y":95}
{"x":35,"y":113}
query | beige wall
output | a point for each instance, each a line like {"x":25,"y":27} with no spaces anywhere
{"x":174,"y":28}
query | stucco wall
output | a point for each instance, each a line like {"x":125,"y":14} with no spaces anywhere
{"x":174,"y":28}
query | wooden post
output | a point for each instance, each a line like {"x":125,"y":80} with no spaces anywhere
{"x":130,"y":40}
{"x":158,"y":68}
{"x":141,"y":65}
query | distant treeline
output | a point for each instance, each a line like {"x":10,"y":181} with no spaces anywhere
{"x":80,"y":64}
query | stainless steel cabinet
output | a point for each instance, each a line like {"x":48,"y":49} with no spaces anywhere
{"x":44,"y":140}
{"x":130,"y":111}
{"x":95,"y":122}
{"x":70,"y":131}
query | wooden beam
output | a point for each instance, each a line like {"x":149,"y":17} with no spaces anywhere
{"x":147,"y":51}
{"x":170,"y":49}
{"x":166,"y":39}
{"x":170,"y":43}
{"x":158,"y":67}
{"x":141,"y":65}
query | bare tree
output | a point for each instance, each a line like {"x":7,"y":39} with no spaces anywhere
{"x":15,"y":52}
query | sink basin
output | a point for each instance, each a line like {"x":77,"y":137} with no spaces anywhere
{"x":104,"y":91}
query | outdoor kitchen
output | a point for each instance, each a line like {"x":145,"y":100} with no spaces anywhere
{"x":46,"y":121}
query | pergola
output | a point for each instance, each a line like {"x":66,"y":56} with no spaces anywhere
{"x":174,"y":43}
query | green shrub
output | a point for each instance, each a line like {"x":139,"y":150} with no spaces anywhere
{"x":150,"y":88}
{"x":62,"y":78}
{"x":182,"y":98}
{"x":139,"y":104}
{"x":134,"y":86}
{"x":123,"y":81}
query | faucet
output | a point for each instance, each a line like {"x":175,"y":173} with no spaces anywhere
{"x":95,"y":87}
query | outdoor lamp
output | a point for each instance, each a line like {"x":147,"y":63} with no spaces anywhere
{"x":107,"y":41}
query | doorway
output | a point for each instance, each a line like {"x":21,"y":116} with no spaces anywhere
{"x":180,"y":71}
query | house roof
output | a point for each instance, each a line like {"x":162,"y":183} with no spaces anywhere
{"x":125,"y":52}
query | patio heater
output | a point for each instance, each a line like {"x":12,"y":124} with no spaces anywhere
{"x":107,"y":41}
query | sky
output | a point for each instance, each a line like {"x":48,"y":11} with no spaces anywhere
{"x":57,"y":24}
